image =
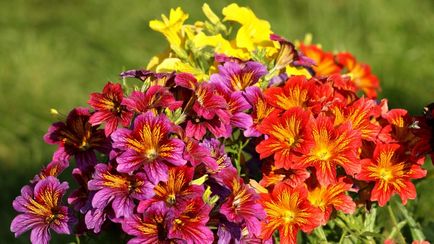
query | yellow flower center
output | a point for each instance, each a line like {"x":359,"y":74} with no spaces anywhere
{"x":151,"y":154}
{"x":171,"y":199}
{"x":288,"y":216}
{"x":385,"y":174}
{"x":323,"y":154}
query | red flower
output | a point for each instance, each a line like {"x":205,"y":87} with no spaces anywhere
{"x":360,"y":74}
{"x":288,"y":211}
{"x":332,"y":147}
{"x":289,"y":137}
{"x":108,"y":108}
{"x":325,"y":61}
{"x":332,"y":196}
{"x":296,"y":93}
{"x":391,"y":172}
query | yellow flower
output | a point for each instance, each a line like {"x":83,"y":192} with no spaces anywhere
{"x":175,"y":64}
{"x":221,"y":45}
{"x":253,"y":31}
{"x":171,"y":27}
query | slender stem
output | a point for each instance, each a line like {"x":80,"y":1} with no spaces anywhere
{"x":322,"y":236}
{"x":343,"y":236}
{"x":77,"y":239}
{"x":415,"y":230}
{"x":395,"y":224}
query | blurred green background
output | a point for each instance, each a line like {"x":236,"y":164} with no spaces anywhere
{"x":54,"y":53}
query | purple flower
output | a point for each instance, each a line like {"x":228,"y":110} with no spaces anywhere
{"x":77,"y":137}
{"x":242,"y":205}
{"x":150,"y":227}
{"x":148,"y":146}
{"x":118,"y":189}
{"x":41,"y":210}
{"x":237,"y":77}
{"x":54,"y":168}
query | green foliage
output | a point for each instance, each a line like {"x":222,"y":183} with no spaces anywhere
{"x":55,"y":52}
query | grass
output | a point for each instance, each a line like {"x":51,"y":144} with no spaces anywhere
{"x":55,"y":52}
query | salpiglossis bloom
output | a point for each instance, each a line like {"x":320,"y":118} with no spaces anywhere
{"x":332,"y":147}
{"x":77,"y":137}
{"x":41,"y":210}
{"x":108,"y":108}
{"x":332,"y":196}
{"x":288,"y":210}
{"x":242,"y":205}
{"x":233,"y":76}
{"x":176,"y":192}
{"x":288,"y":137}
{"x":148,"y":146}
{"x":118,"y":189}
{"x":391,"y":171}
{"x":296,"y":93}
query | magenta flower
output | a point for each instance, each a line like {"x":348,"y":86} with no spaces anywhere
{"x":150,"y":227}
{"x":197,"y":154}
{"x":108,"y":108}
{"x":242,"y":205}
{"x":207,"y":103}
{"x":154,"y":97}
{"x":148,"y":146}
{"x":176,"y":191}
{"x":197,"y":128}
{"x":41,"y":210}
{"x":118,"y":189}
{"x":54,"y":168}
{"x":190,"y":224}
{"x":78,"y":138}
{"x":237,"y":77}
{"x":237,"y":107}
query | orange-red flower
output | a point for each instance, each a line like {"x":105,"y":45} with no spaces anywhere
{"x":332,"y":196}
{"x":325,"y":61}
{"x":360,"y":73}
{"x":359,"y":114}
{"x":288,"y":137}
{"x":291,"y":177}
{"x":288,"y":211}
{"x":391,"y":172}
{"x":296,"y":93}
{"x":332,"y":147}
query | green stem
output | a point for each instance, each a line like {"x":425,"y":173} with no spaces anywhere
{"x":77,"y":239}
{"x":416,"y":232}
{"x":320,"y":233}
{"x":343,"y":236}
{"x":401,"y":238}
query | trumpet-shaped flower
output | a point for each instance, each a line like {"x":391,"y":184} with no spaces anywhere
{"x":261,"y":110}
{"x":190,"y":224}
{"x":41,"y":210}
{"x":296,"y":93}
{"x":289,"y":137}
{"x":332,"y":147}
{"x":391,"y":172}
{"x":171,"y":27}
{"x":118,"y":189}
{"x":176,"y":191}
{"x":360,"y":74}
{"x":149,"y":227}
{"x":242,"y":205}
{"x":237,"y":77}
{"x":108,"y":108}
{"x":253,"y":31}
{"x":77,"y":137}
{"x":148,"y":146}
{"x":291,"y":177}
{"x":325,"y":61}
{"x":288,"y":210}
{"x":332,"y":196}
{"x":154,"y":98}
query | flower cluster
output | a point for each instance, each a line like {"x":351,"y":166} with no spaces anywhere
{"x":226,"y":140}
